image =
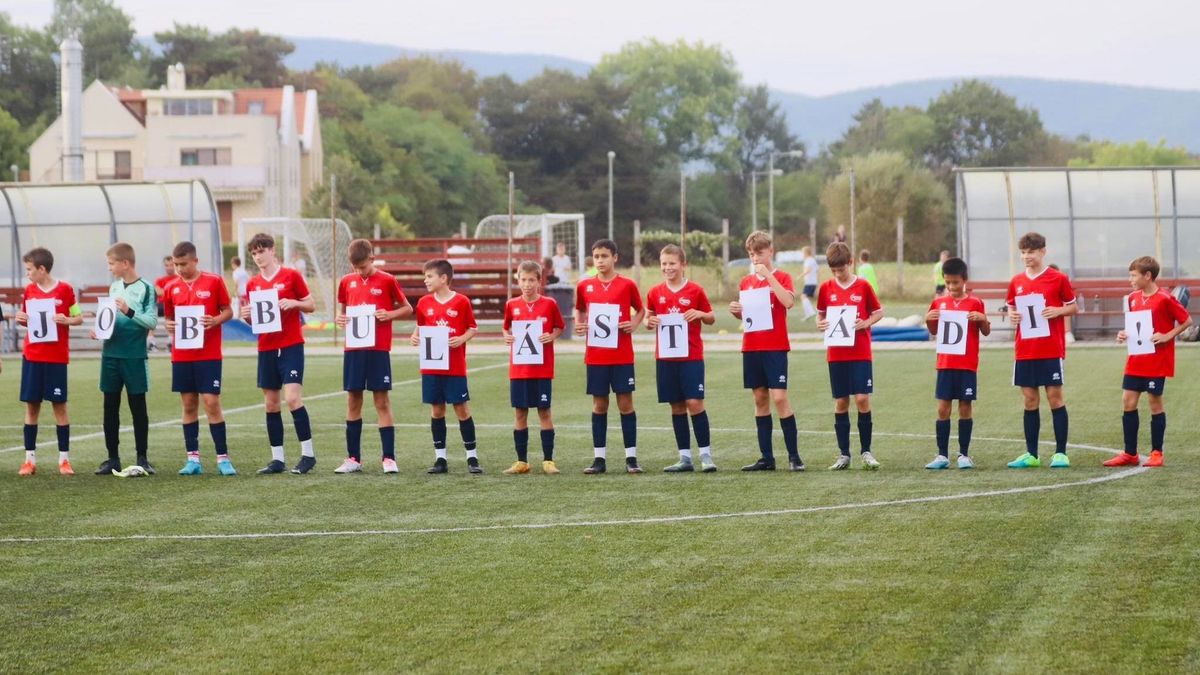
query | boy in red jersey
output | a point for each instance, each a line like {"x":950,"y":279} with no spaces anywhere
{"x":765,"y":354}
{"x":1149,"y":372}
{"x":369,"y":368}
{"x":196,"y":372}
{"x":44,"y":364}
{"x":444,"y":307}
{"x":1039,"y":357}
{"x":956,"y":374}
{"x":681,"y":379}
{"x":850,"y":368}
{"x":609,"y":368}
{"x":280,"y":353}
{"x":530,"y":384}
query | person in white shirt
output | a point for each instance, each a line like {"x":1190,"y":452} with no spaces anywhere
{"x":810,"y":282}
{"x":240,"y":278}
{"x":562,"y":262}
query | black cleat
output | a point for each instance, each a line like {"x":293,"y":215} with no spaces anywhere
{"x":145,"y":464}
{"x":305,"y":464}
{"x":276,"y":466}
{"x":760,"y":465}
{"x":108,"y":467}
{"x":795,"y":464}
{"x":473,"y":465}
{"x":438,"y":467}
{"x":631,"y":465}
{"x":598,"y":466}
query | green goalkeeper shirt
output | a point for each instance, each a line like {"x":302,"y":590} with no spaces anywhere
{"x":128,"y":340}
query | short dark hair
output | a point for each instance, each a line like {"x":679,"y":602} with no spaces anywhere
{"x":605,"y":243}
{"x":955,"y":267}
{"x":864,"y":255}
{"x":440,"y":267}
{"x":359,"y":251}
{"x":530,"y":267}
{"x":184,"y":249}
{"x":1031,"y":241}
{"x":1145,"y":264}
{"x":39,"y":257}
{"x":838,"y":255}
{"x":260,"y":242}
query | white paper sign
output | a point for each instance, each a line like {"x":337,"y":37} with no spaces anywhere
{"x":265,"y":315}
{"x":952,"y":332}
{"x":41,"y":320}
{"x":434,"y":346}
{"x":840,"y":332}
{"x":672,"y":336}
{"x":360,"y":326}
{"x":756,"y":310}
{"x":106,"y":317}
{"x":603,"y":320}
{"x":1033,"y":324}
{"x":1139,"y":326}
{"x":189,"y":332}
{"x":526,"y":350}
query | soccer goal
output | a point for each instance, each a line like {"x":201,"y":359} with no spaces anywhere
{"x":550,"y":228}
{"x":314,"y":246}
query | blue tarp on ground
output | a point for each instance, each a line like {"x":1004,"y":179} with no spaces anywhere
{"x":237,"y":330}
{"x":899,"y":334}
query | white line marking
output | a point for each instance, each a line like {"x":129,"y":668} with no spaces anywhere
{"x":587,"y":523}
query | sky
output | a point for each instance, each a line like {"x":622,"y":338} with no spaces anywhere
{"x":807,"y":47}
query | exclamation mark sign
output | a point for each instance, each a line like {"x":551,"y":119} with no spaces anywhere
{"x":1138,"y":324}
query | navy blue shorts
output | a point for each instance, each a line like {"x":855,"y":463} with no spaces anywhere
{"x":1038,"y":373}
{"x":600,"y":379}
{"x":1150,"y":385}
{"x":450,"y":389}
{"x":43,"y":381}
{"x":680,"y":381}
{"x":954,"y":384}
{"x":369,"y":369}
{"x":196,"y":377}
{"x":530,"y":393}
{"x":764,"y":369}
{"x":277,"y":367}
{"x":847,"y":378}
{"x":810,"y":291}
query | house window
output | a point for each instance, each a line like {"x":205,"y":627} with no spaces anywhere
{"x":114,"y":165}
{"x":187,"y":106}
{"x":254,"y":108}
{"x":205,"y":157}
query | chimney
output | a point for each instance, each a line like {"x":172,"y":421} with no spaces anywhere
{"x":72,"y":108}
{"x":176,"y":79}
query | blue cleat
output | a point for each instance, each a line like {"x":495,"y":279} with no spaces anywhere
{"x":940,"y":462}
{"x":226,"y":468}
{"x":192,"y":468}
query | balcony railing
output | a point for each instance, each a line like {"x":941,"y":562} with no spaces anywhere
{"x":215,"y":176}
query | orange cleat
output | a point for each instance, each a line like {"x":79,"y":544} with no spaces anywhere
{"x":27,"y":469}
{"x":1155,"y":460}
{"x":64,"y":468}
{"x":1123,"y":459}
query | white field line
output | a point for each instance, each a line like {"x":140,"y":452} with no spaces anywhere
{"x":572,"y":524}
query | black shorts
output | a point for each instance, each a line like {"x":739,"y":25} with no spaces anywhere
{"x":680,"y":381}
{"x":277,"y":367}
{"x":1036,"y":373}
{"x":617,"y":378}
{"x":767,"y":370}
{"x":848,"y":378}
{"x":448,"y":389}
{"x":43,"y":381}
{"x":196,"y":377}
{"x":531,"y":393}
{"x":1150,"y":385}
{"x":369,"y":369}
{"x":810,"y":291}
{"x":954,"y":384}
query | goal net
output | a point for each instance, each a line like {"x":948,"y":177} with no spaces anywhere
{"x":551,"y":229}
{"x":315,"y":246}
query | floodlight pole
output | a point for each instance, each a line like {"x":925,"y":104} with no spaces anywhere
{"x":511,"y":217}
{"x":611,"y":156}
{"x":852,"y":219}
{"x":333,"y":235}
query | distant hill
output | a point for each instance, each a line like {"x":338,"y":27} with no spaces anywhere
{"x":1102,"y":111}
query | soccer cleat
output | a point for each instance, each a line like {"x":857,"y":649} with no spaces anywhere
{"x":682,"y":466}
{"x":1025,"y":461}
{"x":842,"y":463}
{"x":305,"y":464}
{"x":473,"y":465}
{"x":940,"y":462}
{"x":706,"y":464}
{"x":225,"y":468}
{"x":965,"y":462}
{"x":439,"y":466}
{"x":518,"y":467}
{"x":27,"y":469}
{"x":192,"y":468}
{"x":351,"y":465}
{"x":550,"y":468}
{"x":598,"y":466}
{"x":276,"y":466}
{"x":869,"y":461}
{"x":109,"y":467}
{"x":631,"y":465}
{"x":1124,"y":459}
{"x":795,"y":464}
{"x":760,"y":465}
{"x":64,"y":468}
{"x":389,"y":465}
{"x":1155,"y":460}
{"x":1060,"y":461}
{"x":145,"y":464}
{"x":131,"y":471}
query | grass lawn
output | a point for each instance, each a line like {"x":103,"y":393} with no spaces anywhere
{"x":1092,"y":577}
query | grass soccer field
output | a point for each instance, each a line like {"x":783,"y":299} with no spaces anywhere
{"x":1086,"y":569}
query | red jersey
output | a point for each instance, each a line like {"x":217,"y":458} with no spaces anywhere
{"x":545,"y":310}
{"x":1056,"y":289}
{"x":64,"y":303}
{"x":379,"y":289}
{"x":1165,"y":312}
{"x":859,"y":294}
{"x":662,"y":300}
{"x":776,"y":339}
{"x":290,"y":285}
{"x":970,"y":360}
{"x":208,"y":290}
{"x":618,"y":291}
{"x":455,"y":313}
{"x":161,"y":282}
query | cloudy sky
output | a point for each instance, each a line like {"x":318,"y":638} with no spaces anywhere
{"x":803,"y":46}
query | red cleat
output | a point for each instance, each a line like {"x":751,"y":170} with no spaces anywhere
{"x":1123,"y":459}
{"x":1155,"y":460}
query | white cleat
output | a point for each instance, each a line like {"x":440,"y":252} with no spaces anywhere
{"x":349,"y":466}
{"x":389,"y":466}
{"x":965,"y":462}
{"x":869,"y":461}
{"x":842,"y":463}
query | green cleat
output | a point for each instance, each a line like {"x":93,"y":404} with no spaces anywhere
{"x":1025,"y":461}
{"x":1060,"y":461}
{"x":682,"y":466}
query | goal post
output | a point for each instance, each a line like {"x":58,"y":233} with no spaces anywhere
{"x":550,"y":229}
{"x":316,"y":246}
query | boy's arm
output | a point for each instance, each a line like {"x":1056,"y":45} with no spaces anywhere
{"x":145,"y":316}
{"x":786,"y":297}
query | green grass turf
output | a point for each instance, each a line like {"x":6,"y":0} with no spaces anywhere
{"x":1095,"y":578}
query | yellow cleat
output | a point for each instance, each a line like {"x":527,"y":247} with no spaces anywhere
{"x":517,"y":467}
{"x":549,"y":468}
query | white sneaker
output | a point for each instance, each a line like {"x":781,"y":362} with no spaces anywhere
{"x":869,"y":461}
{"x":842,"y":463}
{"x":965,"y":462}
{"x":349,"y":466}
{"x":938,"y":463}
{"x":389,"y":465}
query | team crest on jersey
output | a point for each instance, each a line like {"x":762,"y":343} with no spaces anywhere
{"x":685,"y":302}
{"x":376,"y":291}
{"x":1020,"y":289}
{"x":279,"y":287}
{"x":589,"y":289}
{"x":855,"y":298}
{"x":443,"y":323}
{"x":57,"y":302}
{"x":174,"y":289}
{"x":203,"y":295}
{"x":452,"y":313}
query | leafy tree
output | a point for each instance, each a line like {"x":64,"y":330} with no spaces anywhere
{"x":262,"y":56}
{"x":1141,"y":153}
{"x":761,"y":128}
{"x":233,"y":57}
{"x":28,"y":77}
{"x":14,"y":144}
{"x":338,"y":97}
{"x":104,"y":30}
{"x":909,"y":131}
{"x":976,"y":124}
{"x":425,"y":84}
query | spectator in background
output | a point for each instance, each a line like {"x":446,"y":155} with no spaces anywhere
{"x":811,"y":270}
{"x":591,"y":267}
{"x":240,"y":279}
{"x":299,"y":264}
{"x":866,"y":270}
{"x":1070,"y":336}
{"x":939,"y":280}
{"x":562,"y":262}
{"x":840,"y":235}
{"x":159,"y":285}
{"x":550,"y":272}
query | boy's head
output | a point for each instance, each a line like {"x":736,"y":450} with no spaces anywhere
{"x":604,"y":255}
{"x":944,"y":256}
{"x":1033,"y":249}
{"x":121,"y":259}
{"x":589,"y":262}
{"x":560,"y":248}
{"x":262,"y":249}
{"x":672,"y":260}
{"x":38,"y":263}
{"x":1143,"y":271}
{"x":547,"y":266}
{"x":955,"y":272}
{"x":864,"y":255}
{"x":759,"y":248}
{"x":362,"y":256}
{"x":438,"y":274}
{"x":235,"y":262}
{"x":168,"y":264}
{"x":183,"y":257}
{"x":838,"y":257}
{"x":529,"y":277}
{"x":806,"y":251}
